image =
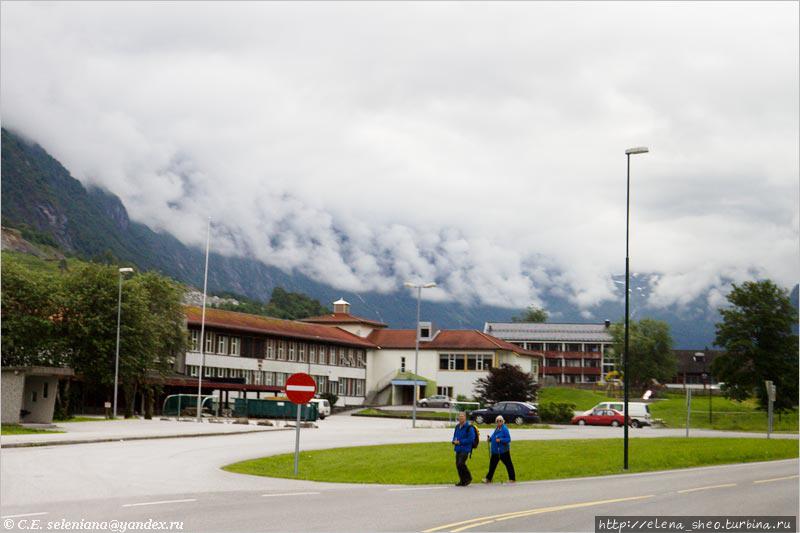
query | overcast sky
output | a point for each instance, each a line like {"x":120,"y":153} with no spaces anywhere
{"x":480,"y":145}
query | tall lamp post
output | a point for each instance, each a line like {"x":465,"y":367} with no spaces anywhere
{"x":419,"y":287}
{"x":628,"y":153}
{"x":701,"y":357}
{"x":123,"y":270}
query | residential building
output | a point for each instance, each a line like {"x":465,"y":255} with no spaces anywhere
{"x":573,"y":353}
{"x":694,"y":367}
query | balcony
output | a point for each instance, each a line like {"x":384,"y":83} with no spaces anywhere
{"x":572,"y":355}
{"x":571,"y":370}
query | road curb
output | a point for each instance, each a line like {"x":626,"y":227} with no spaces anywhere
{"x":152,"y":437}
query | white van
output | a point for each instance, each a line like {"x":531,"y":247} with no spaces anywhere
{"x":639,"y":415}
{"x":323,"y":407}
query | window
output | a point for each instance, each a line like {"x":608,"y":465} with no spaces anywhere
{"x":322,"y":360}
{"x":280,"y":379}
{"x":234,"y":345}
{"x":574,"y":347}
{"x":301,"y":352}
{"x":362,"y":359}
{"x":553,"y":347}
{"x":341,"y":387}
{"x":268,"y":378}
{"x":455,"y":361}
{"x":538,"y":346}
{"x":222,"y":344}
{"x":193,"y":370}
{"x":403,"y":364}
{"x":194,"y":340}
{"x":270,"y":349}
{"x":209,"y":342}
{"x":281,"y":351}
{"x":312,"y":354}
{"x":292,"y":356}
{"x":443,"y":362}
{"x":445,"y":391}
{"x":206,"y":371}
{"x":424,"y":333}
{"x":332,"y":359}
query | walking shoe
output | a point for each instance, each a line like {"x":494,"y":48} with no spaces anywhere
{"x":512,"y":481}
{"x":485,"y":480}
{"x":459,"y":484}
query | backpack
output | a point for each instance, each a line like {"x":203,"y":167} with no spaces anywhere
{"x":477,"y":440}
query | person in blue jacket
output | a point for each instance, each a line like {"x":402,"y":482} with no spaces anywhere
{"x":463,"y":437}
{"x":500,"y":444}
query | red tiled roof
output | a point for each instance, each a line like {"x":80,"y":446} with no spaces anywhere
{"x":343,"y":318}
{"x":273,"y":326}
{"x":455,"y":339}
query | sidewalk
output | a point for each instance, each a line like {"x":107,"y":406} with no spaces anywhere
{"x":135,"y":429}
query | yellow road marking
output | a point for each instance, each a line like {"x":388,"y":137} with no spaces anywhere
{"x":483,"y":520}
{"x":707,"y":488}
{"x":776,"y":479}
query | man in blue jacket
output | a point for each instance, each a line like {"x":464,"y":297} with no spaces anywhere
{"x":500,"y":443}
{"x":463,"y":437}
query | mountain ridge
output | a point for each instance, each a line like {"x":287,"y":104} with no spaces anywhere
{"x":41,"y":197}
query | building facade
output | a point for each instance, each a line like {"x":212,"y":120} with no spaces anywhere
{"x":247,"y":355}
{"x":573,"y":353}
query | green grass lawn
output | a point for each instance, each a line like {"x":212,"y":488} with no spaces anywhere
{"x":726,"y":414}
{"x":83,"y":419}
{"x":15,"y":429}
{"x":433,"y":463}
{"x":583,"y":399}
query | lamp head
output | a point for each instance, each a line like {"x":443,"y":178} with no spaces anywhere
{"x":637,"y":150}
{"x":125,"y":269}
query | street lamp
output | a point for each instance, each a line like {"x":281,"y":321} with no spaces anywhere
{"x":628,"y":153}
{"x":419,"y":287}
{"x":123,"y":270}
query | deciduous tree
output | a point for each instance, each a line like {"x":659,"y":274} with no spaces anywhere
{"x":506,"y":383}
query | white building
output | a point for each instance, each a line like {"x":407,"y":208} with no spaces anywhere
{"x":574,"y":353}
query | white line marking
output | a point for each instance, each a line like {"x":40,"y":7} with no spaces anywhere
{"x":288,"y":494}
{"x":306,"y":388}
{"x":707,"y":488}
{"x":775,"y":479}
{"x":21,"y":515}
{"x":159,"y":503}
{"x":418,"y":488}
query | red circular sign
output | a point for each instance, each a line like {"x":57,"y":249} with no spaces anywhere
{"x":300,"y":388}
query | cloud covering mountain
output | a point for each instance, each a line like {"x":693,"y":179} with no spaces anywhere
{"x":478,"y":145}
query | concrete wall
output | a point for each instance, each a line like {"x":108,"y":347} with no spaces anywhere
{"x":39,"y":399}
{"x":11,"y":387}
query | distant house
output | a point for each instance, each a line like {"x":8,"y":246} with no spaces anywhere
{"x":694,"y":367}
{"x":573,"y":353}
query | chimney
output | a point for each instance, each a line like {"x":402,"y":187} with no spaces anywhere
{"x":341,"y":306}
{"x":607,"y":323}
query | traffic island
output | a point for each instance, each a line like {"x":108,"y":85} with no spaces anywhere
{"x":432,"y":463}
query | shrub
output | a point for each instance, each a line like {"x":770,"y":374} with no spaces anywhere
{"x":556,"y":412}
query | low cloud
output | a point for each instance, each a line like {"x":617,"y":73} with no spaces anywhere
{"x":477,"y":145}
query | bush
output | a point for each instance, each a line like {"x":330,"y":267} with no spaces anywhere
{"x":331,"y":397}
{"x":556,"y":412}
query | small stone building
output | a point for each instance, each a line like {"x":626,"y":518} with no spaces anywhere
{"x":29,"y":393}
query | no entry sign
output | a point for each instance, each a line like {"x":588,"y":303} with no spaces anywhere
{"x":300,"y":388}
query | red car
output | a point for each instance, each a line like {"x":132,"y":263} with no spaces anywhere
{"x":600,"y":417}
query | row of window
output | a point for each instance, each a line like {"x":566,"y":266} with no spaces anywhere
{"x":560,"y":347}
{"x":462,"y":361}
{"x":343,"y":387}
{"x":280,"y":350}
{"x":573,"y":363}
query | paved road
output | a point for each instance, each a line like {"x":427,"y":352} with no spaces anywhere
{"x":180,"y":479}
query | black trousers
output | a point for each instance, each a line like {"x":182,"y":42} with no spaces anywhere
{"x":464,"y":475}
{"x":506,"y":458}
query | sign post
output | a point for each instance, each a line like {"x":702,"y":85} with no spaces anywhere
{"x":771,"y":397}
{"x":300,"y":388}
{"x":688,"y":409}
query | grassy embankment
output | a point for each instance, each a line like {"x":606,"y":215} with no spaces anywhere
{"x":726,"y":414}
{"x":15,"y":429}
{"x":432,"y":463}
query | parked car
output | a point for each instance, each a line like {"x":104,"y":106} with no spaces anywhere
{"x":600,"y":417}
{"x":517,"y":412}
{"x":639,"y":412}
{"x":438,"y":400}
{"x":323,"y":407}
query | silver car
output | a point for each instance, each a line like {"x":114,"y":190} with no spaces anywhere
{"x":438,"y":400}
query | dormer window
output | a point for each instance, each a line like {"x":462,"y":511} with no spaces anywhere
{"x":426,"y":331}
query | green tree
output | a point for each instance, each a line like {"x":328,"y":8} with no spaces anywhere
{"x":531,"y":314}
{"x":282,"y":304}
{"x":756,"y":335}
{"x":506,"y":383}
{"x":31,"y":316}
{"x":650,"y":346}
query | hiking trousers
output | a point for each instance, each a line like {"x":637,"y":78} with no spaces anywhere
{"x":464,"y":474}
